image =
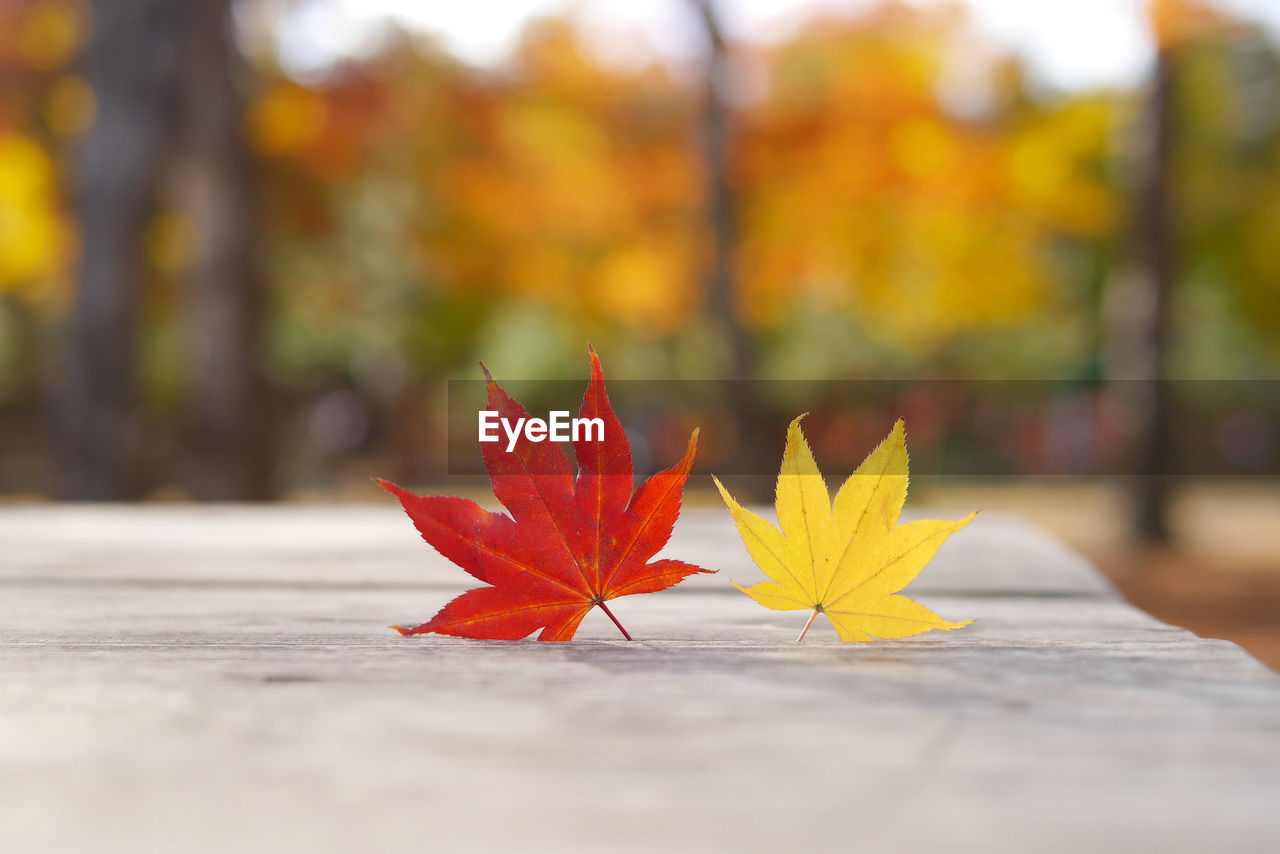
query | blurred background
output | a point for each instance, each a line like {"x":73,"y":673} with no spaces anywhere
{"x":245,"y":245}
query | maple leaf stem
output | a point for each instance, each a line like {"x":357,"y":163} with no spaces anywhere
{"x":805,"y":630}
{"x":605,"y":608}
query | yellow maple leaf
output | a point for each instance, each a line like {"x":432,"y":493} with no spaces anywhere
{"x":849,"y":559}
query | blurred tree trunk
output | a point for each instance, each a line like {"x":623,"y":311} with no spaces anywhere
{"x":722,"y":214}
{"x":229,"y":440}
{"x":1157,"y":247}
{"x":163,"y":71}
{"x":721,"y":298}
{"x":131,"y":61}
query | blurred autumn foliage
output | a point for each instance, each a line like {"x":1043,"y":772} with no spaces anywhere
{"x":909,"y":203}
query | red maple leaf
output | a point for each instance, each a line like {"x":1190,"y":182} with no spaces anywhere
{"x":569,"y":544}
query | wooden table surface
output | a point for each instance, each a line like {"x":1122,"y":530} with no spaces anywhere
{"x":194,"y":679}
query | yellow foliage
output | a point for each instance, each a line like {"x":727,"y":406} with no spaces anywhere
{"x":923,"y":149}
{"x":647,"y":287}
{"x":847,"y":559}
{"x":287,"y":119}
{"x":863,"y":194}
{"x":49,"y":33}
{"x":32,"y":237}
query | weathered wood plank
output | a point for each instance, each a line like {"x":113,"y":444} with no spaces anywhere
{"x":363,"y":543}
{"x":179,"y":679}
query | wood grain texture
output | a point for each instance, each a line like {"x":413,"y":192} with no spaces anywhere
{"x":223,"y":680}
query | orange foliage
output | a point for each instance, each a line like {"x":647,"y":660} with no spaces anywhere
{"x":864,"y":194}
{"x":408,"y":186}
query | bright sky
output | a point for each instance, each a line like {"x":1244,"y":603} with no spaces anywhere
{"x":1070,"y":44}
